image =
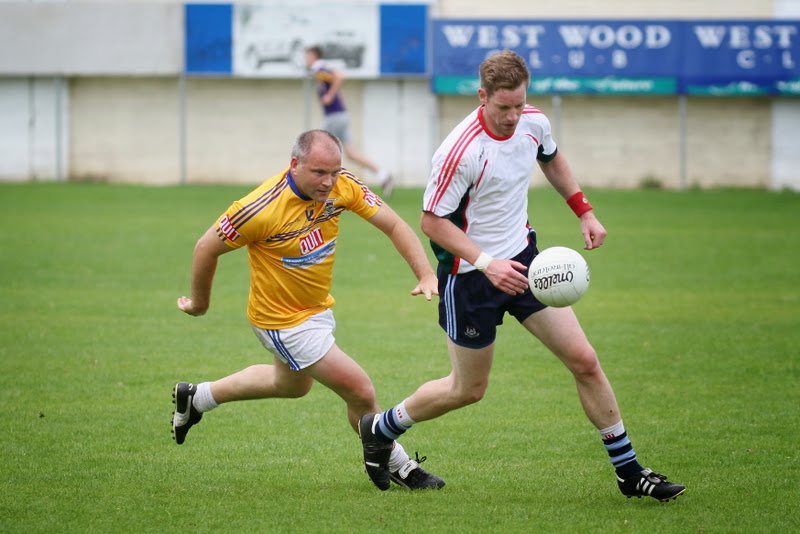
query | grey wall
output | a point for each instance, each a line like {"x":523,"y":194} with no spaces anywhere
{"x":88,"y":38}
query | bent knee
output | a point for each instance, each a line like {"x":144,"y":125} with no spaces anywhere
{"x":472,"y":395}
{"x":584,"y":362}
{"x":297,"y":386}
{"x":362,"y":394}
{"x":296,"y":391}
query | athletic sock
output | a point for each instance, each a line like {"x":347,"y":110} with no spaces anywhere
{"x":398,"y":459}
{"x":203,"y":400}
{"x":393,"y":423}
{"x":620,"y":451}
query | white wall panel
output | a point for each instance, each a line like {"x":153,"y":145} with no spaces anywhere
{"x":785,"y":171}
{"x":14,"y":129}
{"x":33,"y":129}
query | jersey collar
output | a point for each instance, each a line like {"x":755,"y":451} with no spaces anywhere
{"x":294,"y":187}
{"x":486,"y":127}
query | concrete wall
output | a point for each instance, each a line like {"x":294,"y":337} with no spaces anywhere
{"x":627,"y":141}
{"x":241,"y":130}
{"x":124,"y":130}
{"x":127,"y":128}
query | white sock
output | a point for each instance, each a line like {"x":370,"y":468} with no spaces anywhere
{"x":203,"y":400}
{"x":401,"y":415}
{"x":398,"y":459}
{"x":612,"y":431}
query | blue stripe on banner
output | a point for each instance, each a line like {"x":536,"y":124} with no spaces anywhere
{"x":208,"y":38}
{"x":404,"y":36}
{"x":275,"y":336}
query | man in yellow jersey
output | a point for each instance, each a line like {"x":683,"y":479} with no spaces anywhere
{"x":289,"y":225}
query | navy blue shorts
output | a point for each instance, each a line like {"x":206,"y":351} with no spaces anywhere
{"x":470,"y":307}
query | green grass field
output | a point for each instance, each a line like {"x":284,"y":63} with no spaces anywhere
{"x":694,"y":308}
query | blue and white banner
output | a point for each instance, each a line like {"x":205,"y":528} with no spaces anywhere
{"x":741,"y":57}
{"x":626,"y":56}
{"x":370,"y":40}
{"x":268,"y":39}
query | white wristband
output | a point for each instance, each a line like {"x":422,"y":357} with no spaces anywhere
{"x":483,"y":261}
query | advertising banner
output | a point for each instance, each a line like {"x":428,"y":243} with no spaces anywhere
{"x":364,"y":39}
{"x":742,"y":57}
{"x":624,"y":56}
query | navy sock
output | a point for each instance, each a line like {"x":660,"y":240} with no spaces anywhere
{"x":620,"y":451}
{"x":389,"y":427}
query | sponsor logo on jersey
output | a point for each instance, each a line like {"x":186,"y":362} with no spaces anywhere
{"x":311,"y":242}
{"x":309,"y":260}
{"x":227,"y":229}
{"x":370,"y":197}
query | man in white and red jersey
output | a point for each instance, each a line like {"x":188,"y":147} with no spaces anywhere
{"x":289,"y":226}
{"x":475,"y":210}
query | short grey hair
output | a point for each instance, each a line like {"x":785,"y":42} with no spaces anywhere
{"x":304,"y":142}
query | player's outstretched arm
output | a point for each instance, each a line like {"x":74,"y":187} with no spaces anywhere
{"x":410,"y":248}
{"x":559,"y":174}
{"x":204,"y":265}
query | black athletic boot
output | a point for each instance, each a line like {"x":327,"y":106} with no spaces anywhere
{"x":376,"y":453}
{"x":647,"y":483}
{"x":412,"y":476}
{"x":185,"y":415}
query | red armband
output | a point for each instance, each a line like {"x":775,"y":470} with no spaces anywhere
{"x":579,"y":203}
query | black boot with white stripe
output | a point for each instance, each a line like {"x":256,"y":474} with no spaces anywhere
{"x":412,"y":476}
{"x":650,"y":484}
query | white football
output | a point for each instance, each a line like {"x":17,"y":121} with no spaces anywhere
{"x":558,"y":276}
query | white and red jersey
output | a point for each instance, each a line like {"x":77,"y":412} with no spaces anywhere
{"x":480,"y":182}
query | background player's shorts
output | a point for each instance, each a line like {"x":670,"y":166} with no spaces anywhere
{"x":470,"y":307}
{"x":301,"y":345}
{"x":338,"y":124}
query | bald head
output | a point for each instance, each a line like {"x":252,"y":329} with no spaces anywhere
{"x":316,"y":162}
{"x":315,"y":139}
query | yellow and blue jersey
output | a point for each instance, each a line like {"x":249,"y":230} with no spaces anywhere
{"x":291,"y":242}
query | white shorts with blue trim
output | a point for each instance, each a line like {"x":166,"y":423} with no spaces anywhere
{"x":301,"y":345}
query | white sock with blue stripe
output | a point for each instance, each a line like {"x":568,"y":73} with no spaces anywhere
{"x":620,"y":450}
{"x":393,"y":423}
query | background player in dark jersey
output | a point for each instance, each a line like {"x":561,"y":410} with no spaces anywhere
{"x":336,"y":119}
